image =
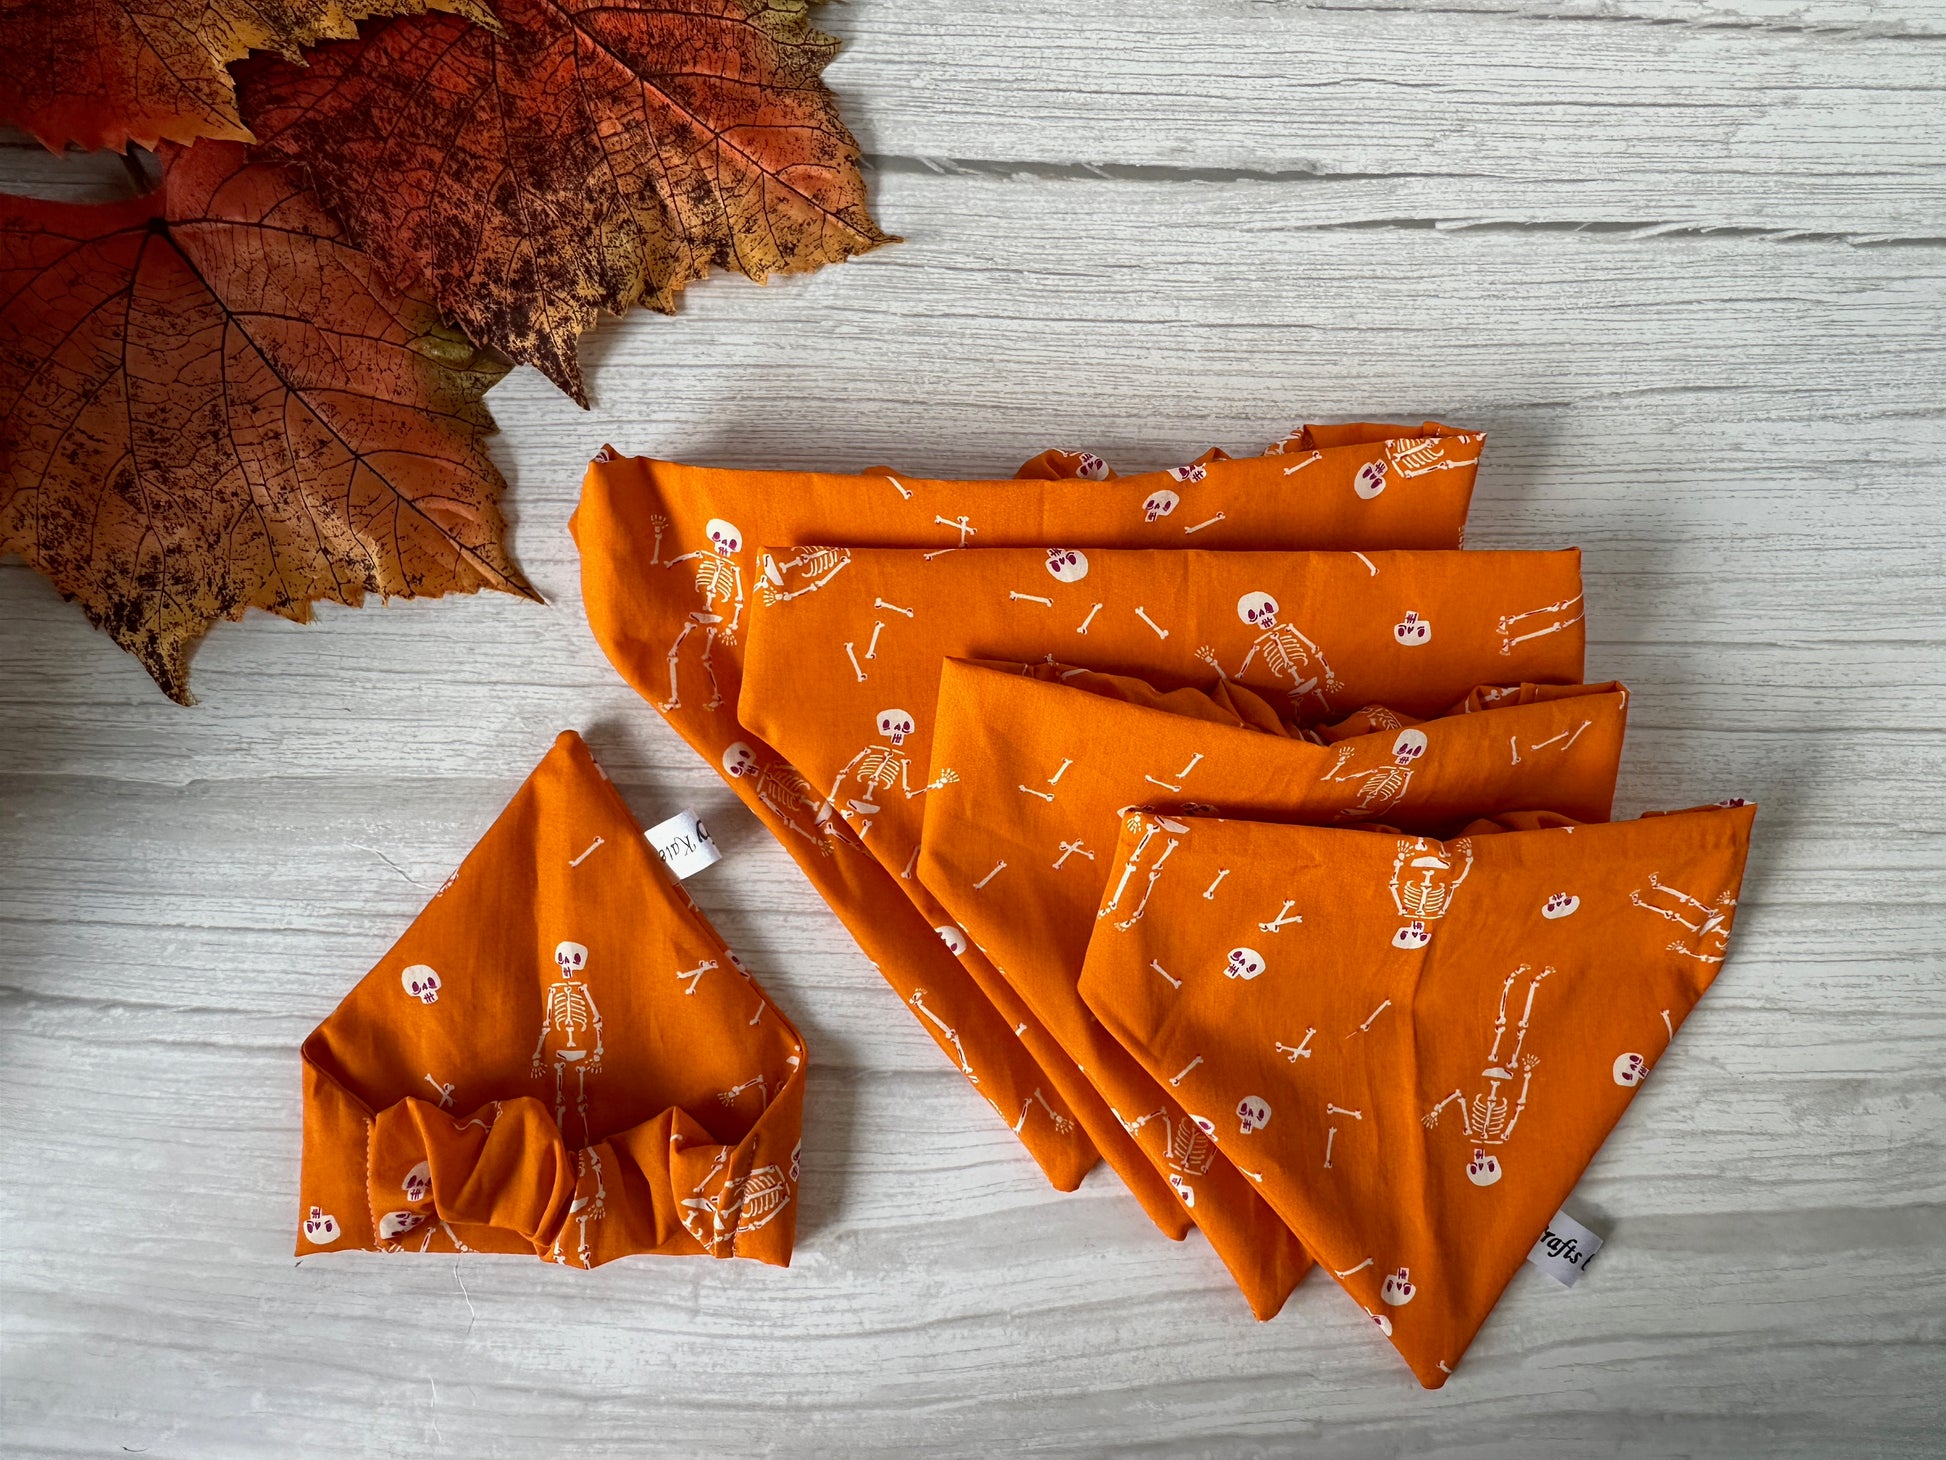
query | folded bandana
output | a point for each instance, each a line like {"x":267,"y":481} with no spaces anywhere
{"x":832,"y":675}
{"x":560,"y":1057}
{"x":1113,"y":742}
{"x":1413,"y":1047}
{"x":670,"y":565}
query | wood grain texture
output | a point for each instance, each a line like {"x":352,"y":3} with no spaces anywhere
{"x":1685,"y":262}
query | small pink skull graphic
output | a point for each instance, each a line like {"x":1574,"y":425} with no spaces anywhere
{"x":1412,"y":936}
{"x":1630,"y":1070}
{"x":1397,"y":1289}
{"x":421,"y":982}
{"x":1068,"y":565}
{"x":1244,"y":963}
{"x":1483,"y":1169}
{"x":1253,"y":1114}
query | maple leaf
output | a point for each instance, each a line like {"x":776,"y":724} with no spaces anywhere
{"x":210,"y":402}
{"x":591,"y":156}
{"x":104,"y":73}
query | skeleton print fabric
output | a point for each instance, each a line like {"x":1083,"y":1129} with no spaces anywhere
{"x":997,"y":725}
{"x":678,"y":562}
{"x":1048,"y":756}
{"x":560,"y":1057}
{"x":1412,"y":1046}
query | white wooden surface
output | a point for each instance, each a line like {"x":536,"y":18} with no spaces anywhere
{"x":1686,"y":262}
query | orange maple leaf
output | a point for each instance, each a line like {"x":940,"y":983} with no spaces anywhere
{"x":104,"y":73}
{"x":209,"y":402}
{"x":591,"y":156}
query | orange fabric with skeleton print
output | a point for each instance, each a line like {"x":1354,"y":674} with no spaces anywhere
{"x":671,"y":567}
{"x":1090,"y":744}
{"x":1415,"y":1074}
{"x":559,"y":1057}
{"x":1172,"y":618}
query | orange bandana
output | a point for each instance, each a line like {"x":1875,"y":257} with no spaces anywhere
{"x":1112,"y":742}
{"x":1412,"y":1047}
{"x":671,"y":568}
{"x":560,"y":1057}
{"x":832,"y":677}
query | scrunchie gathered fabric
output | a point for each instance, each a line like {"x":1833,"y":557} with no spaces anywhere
{"x":560,"y":1057}
{"x":674,"y":566}
{"x":1412,"y":1047}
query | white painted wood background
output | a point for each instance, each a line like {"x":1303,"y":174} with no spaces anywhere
{"x":1686,"y":262}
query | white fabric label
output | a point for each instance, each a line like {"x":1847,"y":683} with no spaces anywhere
{"x":1565,"y":1250}
{"x":684,"y":845}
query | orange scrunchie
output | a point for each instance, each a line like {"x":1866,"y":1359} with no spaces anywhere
{"x":1411,"y":1047}
{"x":560,"y":1057}
{"x":672,"y":566}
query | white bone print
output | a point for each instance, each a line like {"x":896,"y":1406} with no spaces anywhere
{"x":918,"y":1001}
{"x":1284,"y":918}
{"x":1557,"y":611}
{"x":695,"y":975}
{"x":1295,"y":1052}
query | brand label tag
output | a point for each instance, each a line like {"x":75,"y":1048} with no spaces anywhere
{"x":1565,"y":1250}
{"x":684,"y":845}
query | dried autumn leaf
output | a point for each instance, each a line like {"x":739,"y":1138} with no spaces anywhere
{"x":210,"y":402}
{"x":592,"y":156}
{"x":104,"y":73}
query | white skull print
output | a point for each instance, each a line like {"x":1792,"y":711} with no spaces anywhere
{"x":421,"y":982}
{"x":1253,"y":1114}
{"x":1398,"y":1288}
{"x":1412,"y":631}
{"x":952,"y":937}
{"x":1160,"y":503}
{"x":1410,"y":745}
{"x":895,"y":725}
{"x":1068,"y":565}
{"x":1630,"y":1070}
{"x":1244,"y":963}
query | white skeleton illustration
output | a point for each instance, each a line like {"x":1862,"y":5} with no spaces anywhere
{"x":720,"y":581}
{"x":884,"y":767}
{"x":781,"y":788}
{"x":1415,"y":456}
{"x":1489,"y":1118}
{"x":1287,"y":654}
{"x":1383,"y":786}
{"x":1708,"y":923}
{"x":1558,"y":612}
{"x":1189,"y":1148}
{"x":814,"y":566}
{"x":743,"y":1204}
{"x":1426,"y":892}
{"x":568,"y":1017}
{"x":586,"y":1209}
